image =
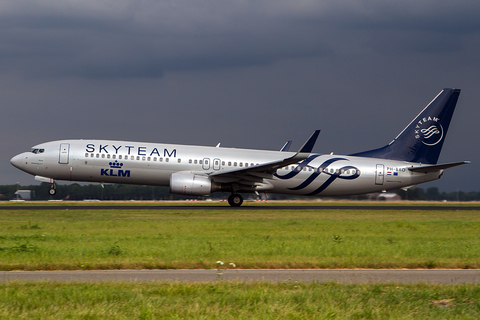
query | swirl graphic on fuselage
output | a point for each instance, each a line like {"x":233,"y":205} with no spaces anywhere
{"x":319,"y":170}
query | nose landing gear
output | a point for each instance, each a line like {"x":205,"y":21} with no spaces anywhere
{"x":53,"y":189}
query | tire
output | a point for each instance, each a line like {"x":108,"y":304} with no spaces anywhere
{"x":235,"y":200}
{"x":52,"y":191}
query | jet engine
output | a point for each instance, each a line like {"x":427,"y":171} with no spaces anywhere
{"x":188,"y":183}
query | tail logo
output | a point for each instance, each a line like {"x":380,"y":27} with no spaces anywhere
{"x":429,"y":131}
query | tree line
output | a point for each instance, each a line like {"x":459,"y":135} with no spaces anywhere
{"x":76,"y":191}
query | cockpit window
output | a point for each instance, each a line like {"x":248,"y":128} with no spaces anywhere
{"x":35,"y":150}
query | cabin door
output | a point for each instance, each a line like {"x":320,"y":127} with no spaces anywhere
{"x":64,"y":153}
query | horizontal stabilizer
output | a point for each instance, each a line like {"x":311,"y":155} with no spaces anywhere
{"x":437,"y":167}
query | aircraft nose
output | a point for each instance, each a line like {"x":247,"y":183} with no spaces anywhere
{"x":17,"y":161}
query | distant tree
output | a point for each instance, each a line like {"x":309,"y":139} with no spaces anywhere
{"x":76,"y":191}
{"x":433,"y":194}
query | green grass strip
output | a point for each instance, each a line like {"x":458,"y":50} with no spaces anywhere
{"x":184,"y":239}
{"x":230,"y":300}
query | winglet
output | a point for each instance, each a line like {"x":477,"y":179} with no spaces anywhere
{"x":308,"y":146}
{"x":286,"y":146}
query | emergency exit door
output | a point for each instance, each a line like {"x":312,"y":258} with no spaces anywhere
{"x":379,"y":174}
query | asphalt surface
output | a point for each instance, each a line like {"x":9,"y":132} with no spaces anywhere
{"x":345,"y":276}
{"x":227,"y":207}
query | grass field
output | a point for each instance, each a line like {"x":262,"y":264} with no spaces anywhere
{"x":112,"y":239}
{"x":226,"y":300}
{"x":150,"y":239}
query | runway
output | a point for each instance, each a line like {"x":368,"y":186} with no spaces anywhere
{"x":242,"y":208}
{"x":344,"y":276}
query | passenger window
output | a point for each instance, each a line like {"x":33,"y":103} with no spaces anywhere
{"x":86,"y":155}
{"x":154,"y":158}
{"x":108,"y":156}
{"x":234,"y":164}
{"x":229,"y":163}
{"x":160,"y":159}
{"x":120,"y":157}
{"x":103,"y":155}
{"x":143,"y":158}
{"x":97,"y":155}
{"x":223,"y":163}
{"x":148,"y":159}
{"x":195,"y":161}
{"x":190,"y":161}
{"x":200,"y":161}
{"x":179,"y":160}
{"x":91,"y":156}
{"x":240,"y":164}
{"x":114,"y":156}
{"x":167,"y":159}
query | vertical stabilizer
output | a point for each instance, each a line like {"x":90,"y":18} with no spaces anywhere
{"x":422,"y":140}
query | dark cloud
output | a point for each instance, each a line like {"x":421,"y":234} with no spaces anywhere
{"x":149,"y":38}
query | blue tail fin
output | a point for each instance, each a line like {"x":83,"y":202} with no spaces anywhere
{"x":422,"y":140}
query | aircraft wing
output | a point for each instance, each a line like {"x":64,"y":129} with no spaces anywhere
{"x":254,"y":175}
{"x":437,"y":167}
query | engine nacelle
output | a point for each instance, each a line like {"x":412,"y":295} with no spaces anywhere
{"x":187,"y":183}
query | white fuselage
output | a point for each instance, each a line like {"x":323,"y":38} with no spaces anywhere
{"x":124,"y":162}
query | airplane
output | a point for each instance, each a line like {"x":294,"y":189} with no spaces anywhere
{"x":409,"y":159}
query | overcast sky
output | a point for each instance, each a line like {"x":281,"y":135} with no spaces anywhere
{"x":248,"y":74}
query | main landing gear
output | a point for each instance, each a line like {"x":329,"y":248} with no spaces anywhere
{"x":235,"y":200}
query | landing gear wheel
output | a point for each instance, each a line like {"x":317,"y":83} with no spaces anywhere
{"x":52,"y":190}
{"x":235,"y":200}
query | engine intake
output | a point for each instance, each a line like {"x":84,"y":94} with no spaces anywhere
{"x":187,"y":183}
